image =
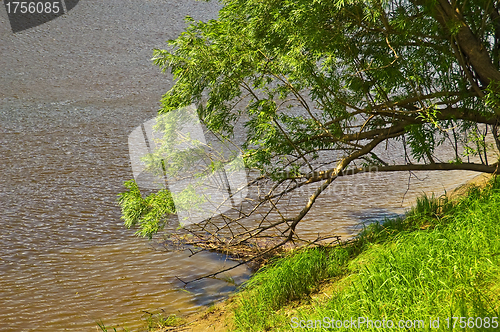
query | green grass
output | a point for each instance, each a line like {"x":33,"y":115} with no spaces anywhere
{"x":152,"y":322}
{"x":442,"y":260}
{"x":105,"y":328}
{"x":290,"y":278}
{"x":158,"y":321}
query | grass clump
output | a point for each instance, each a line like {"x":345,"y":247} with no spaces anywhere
{"x":441,"y":260}
{"x":153,"y":322}
{"x":105,"y":328}
{"x":289,"y":278}
{"x":158,"y":321}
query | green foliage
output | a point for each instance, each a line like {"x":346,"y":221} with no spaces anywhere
{"x":318,"y":85}
{"x":475,"y":144}
{"x":493,"y":94}
{"x":148,"y":213}
{"x":326,"y":58}
{"x":421,"y":140}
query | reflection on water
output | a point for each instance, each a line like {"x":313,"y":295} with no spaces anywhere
{"x":72,"y":91}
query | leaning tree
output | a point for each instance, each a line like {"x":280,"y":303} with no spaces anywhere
{"x":316,"y":86}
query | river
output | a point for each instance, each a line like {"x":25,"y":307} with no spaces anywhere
{"x":71,"y":92}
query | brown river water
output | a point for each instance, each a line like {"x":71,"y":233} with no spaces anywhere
{"x":71,"y":91}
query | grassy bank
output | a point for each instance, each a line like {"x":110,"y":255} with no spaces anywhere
{"x":442,"y":260}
